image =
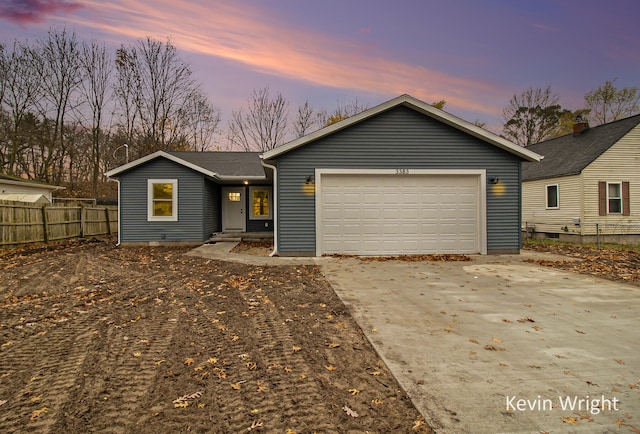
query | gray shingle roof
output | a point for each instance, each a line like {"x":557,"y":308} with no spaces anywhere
{"x":569,"y":155}
{"x":225,"y":163}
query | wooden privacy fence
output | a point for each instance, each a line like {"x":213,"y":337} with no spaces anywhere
{"x":22,"y":223}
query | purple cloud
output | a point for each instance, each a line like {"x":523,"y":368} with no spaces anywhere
{"x":34,"y":11}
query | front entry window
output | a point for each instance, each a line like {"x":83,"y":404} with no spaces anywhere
{"x":260,"y":203}
{"x":234,"y":197}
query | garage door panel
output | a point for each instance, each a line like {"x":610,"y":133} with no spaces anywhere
{"x":408,"y":214}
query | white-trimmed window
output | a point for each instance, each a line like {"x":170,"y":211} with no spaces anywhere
{"x":552,"y":196}
{"x":162,"y":200}
{"x":614,"y":198}
{"x":260,"y":203}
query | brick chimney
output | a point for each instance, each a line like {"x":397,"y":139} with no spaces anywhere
{"x":580,"y":126}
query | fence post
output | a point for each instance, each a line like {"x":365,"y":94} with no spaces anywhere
{"x":45,"y":224}
{"x":597,"y":236}
{"x":106,"y":213}
{"x":83,"y":221}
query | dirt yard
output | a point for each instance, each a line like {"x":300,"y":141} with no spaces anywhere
{"x":95,"y":338}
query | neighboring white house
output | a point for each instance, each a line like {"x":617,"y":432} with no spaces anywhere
{"x":586,"y":178}
{"x":22,"y":190}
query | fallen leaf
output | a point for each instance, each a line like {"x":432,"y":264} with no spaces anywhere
{"x":354,"y":391}
{"x":201,"y":405}
{"x":374,"y":330}
{"x":333,"y":345}
{"x":189,"y":361}
{"x":212,"y":360}
{"x":235,"y":338}
{"x":261,"y":386}
{"x":580,"y":331}
{"x":255,"y":425}
{"x":534,"y":366}
{"x":377,"y":401}
{"x":235,"y":386}
{"x":496,"y":340}
{"x":181,"y":404}
{"x":330,"y":368}
{"x":493,"y":348}
{"x":349,"y":411}
{"x":159,"y":362}
{"x":37,"y":413}
{"x":619,"y":362}
{"x":419,"y":424}
{"x":375,"y":373}
{"x":137,"y":354}
{"x":536,"y":328}
{"x":36,"y":399}
{"x":296,"y":349}
{"x":474,"y":341}
{"x":526,"y":319}
{"x":560,"y":356}
{"x":570,"y":420}
{"x":504,"y":364}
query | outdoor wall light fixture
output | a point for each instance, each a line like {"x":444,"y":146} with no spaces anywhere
{"x":494,"y":180}
{"x":245,"y":182}
{"x":309,"y":180}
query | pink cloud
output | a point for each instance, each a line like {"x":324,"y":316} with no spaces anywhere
{"x":34,"y":11}
{"x":260,"y":41}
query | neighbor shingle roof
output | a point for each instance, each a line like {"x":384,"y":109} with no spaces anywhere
{"x":225,"y":163}
{"x":571,"y":154}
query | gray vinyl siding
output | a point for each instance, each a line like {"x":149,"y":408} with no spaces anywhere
{"x":133,"y":204}
{"x":212,"y":212}
{"x":397,"y":138}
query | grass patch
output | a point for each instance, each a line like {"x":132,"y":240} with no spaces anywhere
{"x":603,"y":246}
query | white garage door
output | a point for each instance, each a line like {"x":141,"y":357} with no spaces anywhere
{"x":383,"y":214}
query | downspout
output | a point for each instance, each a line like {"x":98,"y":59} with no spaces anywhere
{"x":275,"y":206}
{"x":119,"y":214}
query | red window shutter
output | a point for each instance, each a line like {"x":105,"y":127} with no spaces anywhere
{"x":625,"y":198}
{"x":602,"y":198}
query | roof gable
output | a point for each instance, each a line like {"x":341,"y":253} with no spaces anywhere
{"x":217,"y":165}
{"x":419,"y":106}
{"x":571,"y":154}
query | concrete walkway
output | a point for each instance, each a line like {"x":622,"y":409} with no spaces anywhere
{"x":222,"y":252}
{"x":494,"y":345}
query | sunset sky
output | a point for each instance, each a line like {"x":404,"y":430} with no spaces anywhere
{"x":473,"y":54}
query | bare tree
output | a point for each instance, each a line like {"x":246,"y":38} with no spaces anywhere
{"x":203,"y":122}
{"x":21,"y":87}
{"x":262,"y":126}
{"x":308,"y":120}
{"x":607,"y":103}
{"x":96,"y":68}
{"x":60,"y":76}
{"x":343,"y":111}
{"x":125,"y":90}
{"x":531,"y":116}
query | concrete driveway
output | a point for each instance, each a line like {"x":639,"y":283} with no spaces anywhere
{"x":500,"y":345}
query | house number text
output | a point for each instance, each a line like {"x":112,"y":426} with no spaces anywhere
{"x":402,"y":171}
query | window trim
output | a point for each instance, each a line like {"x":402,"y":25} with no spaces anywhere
{"x":269,"y":189}
{"x":619,"y":198}
{"x":174,"y":198}
{"x":546,"y":196}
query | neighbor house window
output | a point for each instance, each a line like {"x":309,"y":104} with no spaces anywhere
{"x":162,"y":200}
{"x":614,"y":198}
{"x":260,"y":203}
{"x":553,"y":201}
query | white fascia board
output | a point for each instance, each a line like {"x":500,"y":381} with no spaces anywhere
{"x":157,"y":154}
{"x":420,"y":106}
{"x":27,"y":183}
